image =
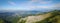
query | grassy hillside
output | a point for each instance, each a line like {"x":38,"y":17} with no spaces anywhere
{"x":48,"y":17}
{"x":1,"y":21}
{"x":54,"y":18}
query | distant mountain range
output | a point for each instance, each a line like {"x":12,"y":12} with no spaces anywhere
{"x":5,"y":13}
{"x":11,"y":15}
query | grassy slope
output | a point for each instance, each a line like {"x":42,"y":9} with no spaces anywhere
{"x":1,"y":21}
{"x":55,"y":18}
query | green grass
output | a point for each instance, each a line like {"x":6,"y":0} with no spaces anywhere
{"x":1,"y":21}
{"x":52,"y":19}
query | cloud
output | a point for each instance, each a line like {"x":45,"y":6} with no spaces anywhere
{"x":46,"y":2}
{"x":37,"y":7}
{"x":41,"y":1}
{"x":51,"y":6}
{"x":11,"y":3}
{"x":31,"y":5}
{"x":57,"y":5}
{"x":34,"y":0}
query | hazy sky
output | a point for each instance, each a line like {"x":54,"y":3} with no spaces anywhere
{"x":29,"y":4}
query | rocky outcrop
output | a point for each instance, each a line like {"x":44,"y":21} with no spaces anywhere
{"x":32,"y":19}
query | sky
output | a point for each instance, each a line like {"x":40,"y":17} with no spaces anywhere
{"x":29,"y":4}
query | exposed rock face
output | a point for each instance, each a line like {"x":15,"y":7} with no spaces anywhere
{"x":51,"y":17}
{"x":32,"y":19}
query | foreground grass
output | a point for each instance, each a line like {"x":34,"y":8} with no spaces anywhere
{"x":51,"y":17}
{"x":1,"y":21}
{"x":55,"y":19}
